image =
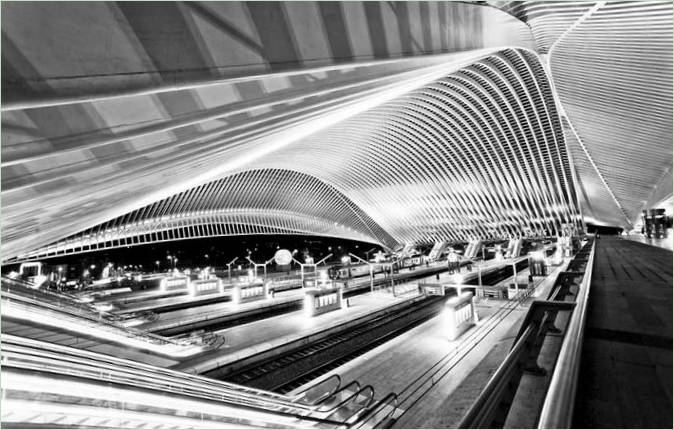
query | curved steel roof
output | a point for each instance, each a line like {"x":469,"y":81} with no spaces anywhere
{"x":386,"y":122}
{"x":611,"y":64}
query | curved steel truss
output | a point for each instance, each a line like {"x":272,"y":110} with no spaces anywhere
{"x":394,"y":123}
{"x":611,"y":64}
{"x":270,"y":201}
{"x":476,"y":153}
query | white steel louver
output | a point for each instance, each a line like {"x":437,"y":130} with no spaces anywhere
{"x":611,"y":64}
{"x":476,"y":153}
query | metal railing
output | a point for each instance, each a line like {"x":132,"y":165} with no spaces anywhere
{"x":378,"y":415}
{"x":52,"y":360}
{"x":493,"y":403}
{"x":337,"y":407}
{"x":557,"y":411}
{"x":417,"y":389}
{"x":317,"y":392}
{"x":64,"y":308}
{"x":480,"y":415}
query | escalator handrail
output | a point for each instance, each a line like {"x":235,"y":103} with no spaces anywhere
{"x":372,"y":411}
{"x":111,"y":360}
{"x":312,"y":386}
{"x":247,"y":406}
{"x":351,"y":398}
{"x":557,"y":410}
{"x":101,"y":322}
{"x":93,"y":373}
{"x":356,"y":391}
{"x":259,"y":407}
{"x":370,"y":399}
{"x":90,"y":372}
{"x":104,"y":361}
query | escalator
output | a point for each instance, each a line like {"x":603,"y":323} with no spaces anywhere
{"x":48,"y":385}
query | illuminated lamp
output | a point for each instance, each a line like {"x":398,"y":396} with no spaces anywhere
{"x":283,"y":257}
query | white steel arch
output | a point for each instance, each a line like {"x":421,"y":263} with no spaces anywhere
{"x":477,"y":153}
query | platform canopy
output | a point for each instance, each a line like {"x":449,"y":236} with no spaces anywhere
{"x":388,"y":122}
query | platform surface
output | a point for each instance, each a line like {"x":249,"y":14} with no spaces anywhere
{"x":247,"y":339}
{"x":34,"y":330}
{"x":398,"y":365}
{"x":666,"y":243}
{"x":625,"y":379}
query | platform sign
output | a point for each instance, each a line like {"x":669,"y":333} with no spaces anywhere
{"x":537,"y":263}
{"x":460,"y":314}
{"x":174,"y":283}
{"x":250,"y":292}
{"x":432,"y":289}
{"x":201,"y":287}
{"x":318,"y":301}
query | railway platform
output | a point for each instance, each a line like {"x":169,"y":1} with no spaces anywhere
{"x":265,"y":334}
{"x":424,"y":361}
{"x":625,"y":379}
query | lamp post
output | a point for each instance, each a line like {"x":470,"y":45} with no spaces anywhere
{"x":307,"y":264}
{"x":367,"y":253}
{"x":229,"y":268}
{"x":263,"y":265}
{"x":371,"y":270}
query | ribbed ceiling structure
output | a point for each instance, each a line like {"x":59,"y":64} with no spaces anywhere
{"x":481,"y":146}
{"x":394,"y":123}
{"x":611,"y":64}
{"x":269,"y":201}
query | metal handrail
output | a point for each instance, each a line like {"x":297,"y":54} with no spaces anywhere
{"x":98,"y":321}
{"x":18,"y":358}
{"x":374,"y":410}
{"x":538,"y":306}
{"x":351,"y":398}
{"x":332,"y":408}
{"x":299,"y":397}
{"x":364,"y":408}
{"x":557,"y":411}
{"x":483,"y":408}
{"x":172,"y":377}
{"x":480,"y":414}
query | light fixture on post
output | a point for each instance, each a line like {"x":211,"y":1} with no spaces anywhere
{"x":229,"y":268}
{"x":263,"y":265}
{"x":309,"y":262}
{"x":371,"y":269}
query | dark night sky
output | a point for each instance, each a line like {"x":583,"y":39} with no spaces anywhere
{"x":214,"y":252}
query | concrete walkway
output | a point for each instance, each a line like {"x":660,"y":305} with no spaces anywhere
{"x":400,"y":364}
{"x":626,"y":366}
{"x":665,"y":243}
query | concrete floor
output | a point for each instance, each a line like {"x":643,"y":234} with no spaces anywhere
{"x":253,"y":337}
{"x":666,"y":243}
{"x":398,"y":365}
{"x":626,"y":369}
{"x":34,"y":330}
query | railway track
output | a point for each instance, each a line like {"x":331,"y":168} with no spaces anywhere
{"x":358,"y":286}
{"x":286,"y":371}
{"x":495,"y":276}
